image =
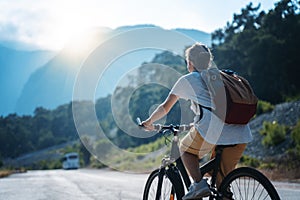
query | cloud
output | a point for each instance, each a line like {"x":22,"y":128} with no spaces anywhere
{"x":49,"y":23}
{"x":21,"y":23}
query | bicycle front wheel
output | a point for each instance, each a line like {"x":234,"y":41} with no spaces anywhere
{"x":163,"y":185}
{"x":248,"y":183}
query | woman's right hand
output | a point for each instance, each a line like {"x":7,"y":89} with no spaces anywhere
{"x":148,"y":125}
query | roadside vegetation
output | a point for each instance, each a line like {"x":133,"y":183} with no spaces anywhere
{"x":264,"y":107}
{"x":273,"y":133}
{"x":284,"y":164}
{"x":5,"y":173}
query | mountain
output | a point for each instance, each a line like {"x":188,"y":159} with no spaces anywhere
{"x":15,"y":68}
{"x":53,"y":84}
{"x":19,"y":45}
{"x":197,"y":35}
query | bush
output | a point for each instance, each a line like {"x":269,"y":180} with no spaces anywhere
{"x":268,"y":165}
{"x":295,"y":135}
{"x":263,"y":107}
{"x":249,"y":161}
{"x":273,"y":133}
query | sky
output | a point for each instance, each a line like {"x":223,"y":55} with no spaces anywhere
{"x":49,"y":24}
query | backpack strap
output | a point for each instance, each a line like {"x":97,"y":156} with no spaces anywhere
{"x":201,"y":110}
{"x":207,"y":108}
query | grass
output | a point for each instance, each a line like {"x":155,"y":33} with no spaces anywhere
{"x":5,"y":173}
{"x":143,"y":158}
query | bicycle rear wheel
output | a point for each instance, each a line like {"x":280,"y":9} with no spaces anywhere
{"x":248,"y":183}
{"x":167,"y":183}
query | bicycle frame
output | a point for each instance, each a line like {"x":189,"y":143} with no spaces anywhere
{"x":177,"y":179}
{"x":212,"y":165}
{"x":175,"y":163}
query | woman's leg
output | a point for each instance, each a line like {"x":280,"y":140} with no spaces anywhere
{"x":229,"y":160}
{"x":193,"y":147}
{"x":191,"y":163}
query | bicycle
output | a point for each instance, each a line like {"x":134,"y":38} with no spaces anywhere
{"x":171,"y":180}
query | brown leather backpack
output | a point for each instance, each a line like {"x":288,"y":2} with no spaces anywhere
{"x":232,"y":95}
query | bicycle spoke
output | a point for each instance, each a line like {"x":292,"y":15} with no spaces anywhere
{"x":261,"y":192}
{"x":167,"y":188}
{"x":237,"y":187}
{"x":253,"y":193}
{"x":152,"y":192}
{"x":167,"y":191}
{"x":247,"y":188}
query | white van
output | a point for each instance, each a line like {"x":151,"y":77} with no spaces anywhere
{"x":70,"y":161}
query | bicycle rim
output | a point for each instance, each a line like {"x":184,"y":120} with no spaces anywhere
{"x":247,"y":183}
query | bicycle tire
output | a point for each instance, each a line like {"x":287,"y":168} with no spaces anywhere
{"x":171,"y":189}
{"x":248,"y":183}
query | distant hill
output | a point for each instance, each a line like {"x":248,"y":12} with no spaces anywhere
{"x":197,"y":35}
{"x":15,"y":68}
{"x":19,"y":45}
{"x":52,"y":84}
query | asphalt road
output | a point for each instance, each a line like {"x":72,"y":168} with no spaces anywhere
{"x":87,"y":184}
{"x":72,"y":185}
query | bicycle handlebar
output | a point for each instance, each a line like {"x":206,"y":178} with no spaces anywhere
{"x":171,"y":127}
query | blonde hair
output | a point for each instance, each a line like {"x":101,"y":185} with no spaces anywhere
{"x":200,"y":55}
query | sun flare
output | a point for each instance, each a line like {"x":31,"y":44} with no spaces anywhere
{"x":68,"y":28}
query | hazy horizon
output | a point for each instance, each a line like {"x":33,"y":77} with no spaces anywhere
{"x":50,"y":24}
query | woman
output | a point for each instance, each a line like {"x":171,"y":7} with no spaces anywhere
{"x":208,"y":129}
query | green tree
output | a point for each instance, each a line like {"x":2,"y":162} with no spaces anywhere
{"x":263,"y":48}
{"x":86,"y":155}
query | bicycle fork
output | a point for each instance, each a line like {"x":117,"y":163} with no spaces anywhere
{"x":160,"y":181}
{"x":162,"y":172}
{"x":173,"y":175}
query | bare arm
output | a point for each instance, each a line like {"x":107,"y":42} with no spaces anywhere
{"x":160,"y":111}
